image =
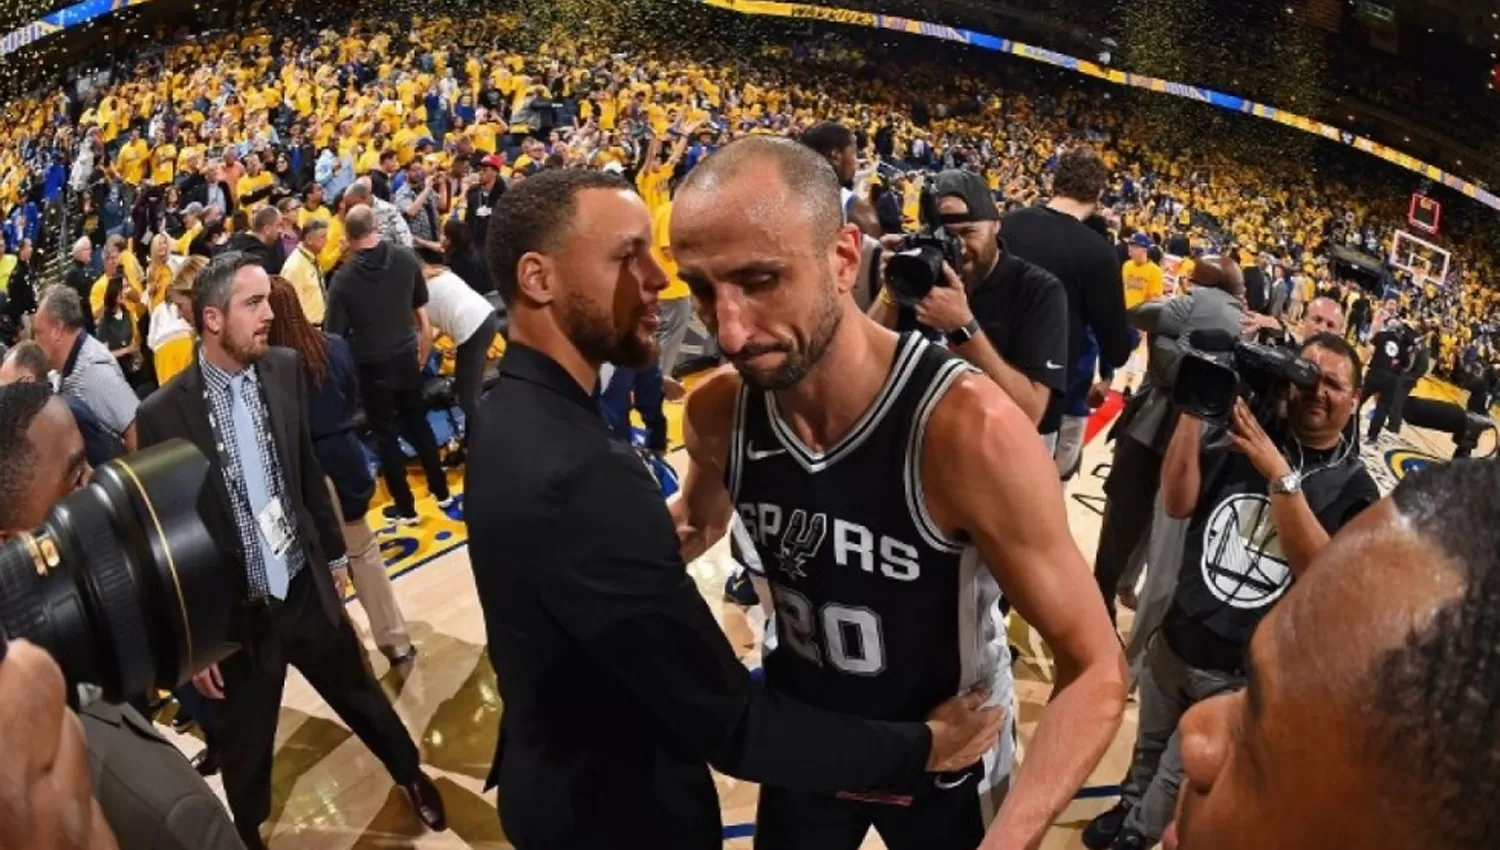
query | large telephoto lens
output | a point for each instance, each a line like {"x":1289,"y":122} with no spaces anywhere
{"x":122,"y":583}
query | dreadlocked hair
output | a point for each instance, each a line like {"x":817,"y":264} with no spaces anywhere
{"x":291,"y":329}
{"x":1437,"y":696}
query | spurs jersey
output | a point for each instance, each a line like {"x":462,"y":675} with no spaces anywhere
{"x":879,"y":613}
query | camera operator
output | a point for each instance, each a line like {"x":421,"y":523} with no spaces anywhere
{"x":1260,"y":509}
{"x":1394,"y":365}
{"x":1212,"y":304}
{"x":1004,"y":315}
{"x":149,"y":793}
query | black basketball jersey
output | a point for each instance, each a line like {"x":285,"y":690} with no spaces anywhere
{"x":878,"y":612}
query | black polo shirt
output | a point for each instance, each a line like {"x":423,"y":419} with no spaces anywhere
{"x":613,"y":671}
{"x":1090,"y":273}
{"x":1023,"y":310}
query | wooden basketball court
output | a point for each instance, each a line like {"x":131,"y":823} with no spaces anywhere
{"x":330,"y":793}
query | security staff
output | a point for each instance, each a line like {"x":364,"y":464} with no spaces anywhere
{"x":618,"y":683}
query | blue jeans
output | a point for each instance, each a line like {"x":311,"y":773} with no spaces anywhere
{"x":643,"y":388}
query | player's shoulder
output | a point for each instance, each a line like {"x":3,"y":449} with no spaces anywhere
{"x":975,"y":416}
{"x":708,"y":413}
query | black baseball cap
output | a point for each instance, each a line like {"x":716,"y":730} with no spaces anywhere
{"x":972,"y":190}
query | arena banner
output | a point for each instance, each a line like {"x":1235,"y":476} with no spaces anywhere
{"x":72,"y":16}
{"x":1089,"y":68}
{"x":88,"y":10}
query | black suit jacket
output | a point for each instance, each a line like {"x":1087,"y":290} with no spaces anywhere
{"x":179,"y":409}
{"x":195,"y":188}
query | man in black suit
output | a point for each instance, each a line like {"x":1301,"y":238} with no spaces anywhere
{"x":244,"y":405}
{"x":618,"y":683}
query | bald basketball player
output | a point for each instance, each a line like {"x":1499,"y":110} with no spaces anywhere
{"x":892,"y":493}
{"x":1372,"y":716}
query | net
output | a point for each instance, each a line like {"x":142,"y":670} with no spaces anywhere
{"x":1424,"y":261}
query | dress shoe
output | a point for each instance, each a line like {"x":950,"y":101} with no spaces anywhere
{"x":1102,"y":831}
{"x":206,"y":762}
{"x":400,"y":659}
{"x":427,"y":802}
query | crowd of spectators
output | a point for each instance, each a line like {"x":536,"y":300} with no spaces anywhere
{"x":437,"y":113}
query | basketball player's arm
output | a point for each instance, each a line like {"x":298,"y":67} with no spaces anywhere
{"x":702,"y":510}
{"x":862,"y":214}
{"x":986,"y":475}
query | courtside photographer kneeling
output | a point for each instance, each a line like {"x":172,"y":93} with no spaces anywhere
{"x":1263,"y":494}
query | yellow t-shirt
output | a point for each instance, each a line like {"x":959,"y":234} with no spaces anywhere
{"x":1143,"y":283}
{"x":661,"y":251}
{"x":164,"y":164}
{"x":652,"y":183}
{"x":132,"y":161}
{"x":250,"y":185}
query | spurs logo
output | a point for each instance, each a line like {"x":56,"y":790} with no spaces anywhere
{"x":800,"y":541}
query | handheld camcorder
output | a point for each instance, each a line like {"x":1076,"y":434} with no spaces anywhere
{"x":122,"y":583}
{"x":916,"y":266}
{"x":1217,"y":369}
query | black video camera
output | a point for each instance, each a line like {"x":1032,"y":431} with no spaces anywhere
{"x":916,"y":266}
{"x":1217,"y":369}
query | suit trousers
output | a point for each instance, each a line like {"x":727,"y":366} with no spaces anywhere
{"x":1130,"y":493}
{"x":298,"y":631}
{"x":371,"y":581}
{"x":392,"y":393}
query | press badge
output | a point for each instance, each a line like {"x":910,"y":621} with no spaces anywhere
{"x":274,"y":529}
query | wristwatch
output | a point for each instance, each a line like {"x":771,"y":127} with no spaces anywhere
{"x":1289,"y":484}
{"x":959,"y":336}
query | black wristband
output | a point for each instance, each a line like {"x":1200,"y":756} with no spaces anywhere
{"x":960,"y":336}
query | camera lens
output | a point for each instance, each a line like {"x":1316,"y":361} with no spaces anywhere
{"x":122,"y":582}
{"x":913,"y":272}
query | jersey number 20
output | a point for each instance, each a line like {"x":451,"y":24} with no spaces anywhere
{"x":851,"y":637}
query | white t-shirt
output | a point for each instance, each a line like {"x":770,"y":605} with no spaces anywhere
{"x":454,"y":307}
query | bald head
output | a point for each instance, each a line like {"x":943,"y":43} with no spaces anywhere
{"x":359,"y":192}
{"x":762,"y":171}
{"x":359,"y":223}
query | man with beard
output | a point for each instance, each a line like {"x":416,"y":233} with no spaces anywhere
{"x":618,"y":683}
{"x":1369,"y":717}
{"x":892,"y":491}
{"x":244,"y":405}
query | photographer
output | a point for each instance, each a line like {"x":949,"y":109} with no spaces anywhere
{"x":149,"y":793}
{"x":1004,"y":315}
{"x":1260,"y":509}
{"x":1146,"y":425}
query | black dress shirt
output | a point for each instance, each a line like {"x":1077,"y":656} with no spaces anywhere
{"x":613,"y":671}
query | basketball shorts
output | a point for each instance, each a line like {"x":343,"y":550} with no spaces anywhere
{"x":951,"y":812}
